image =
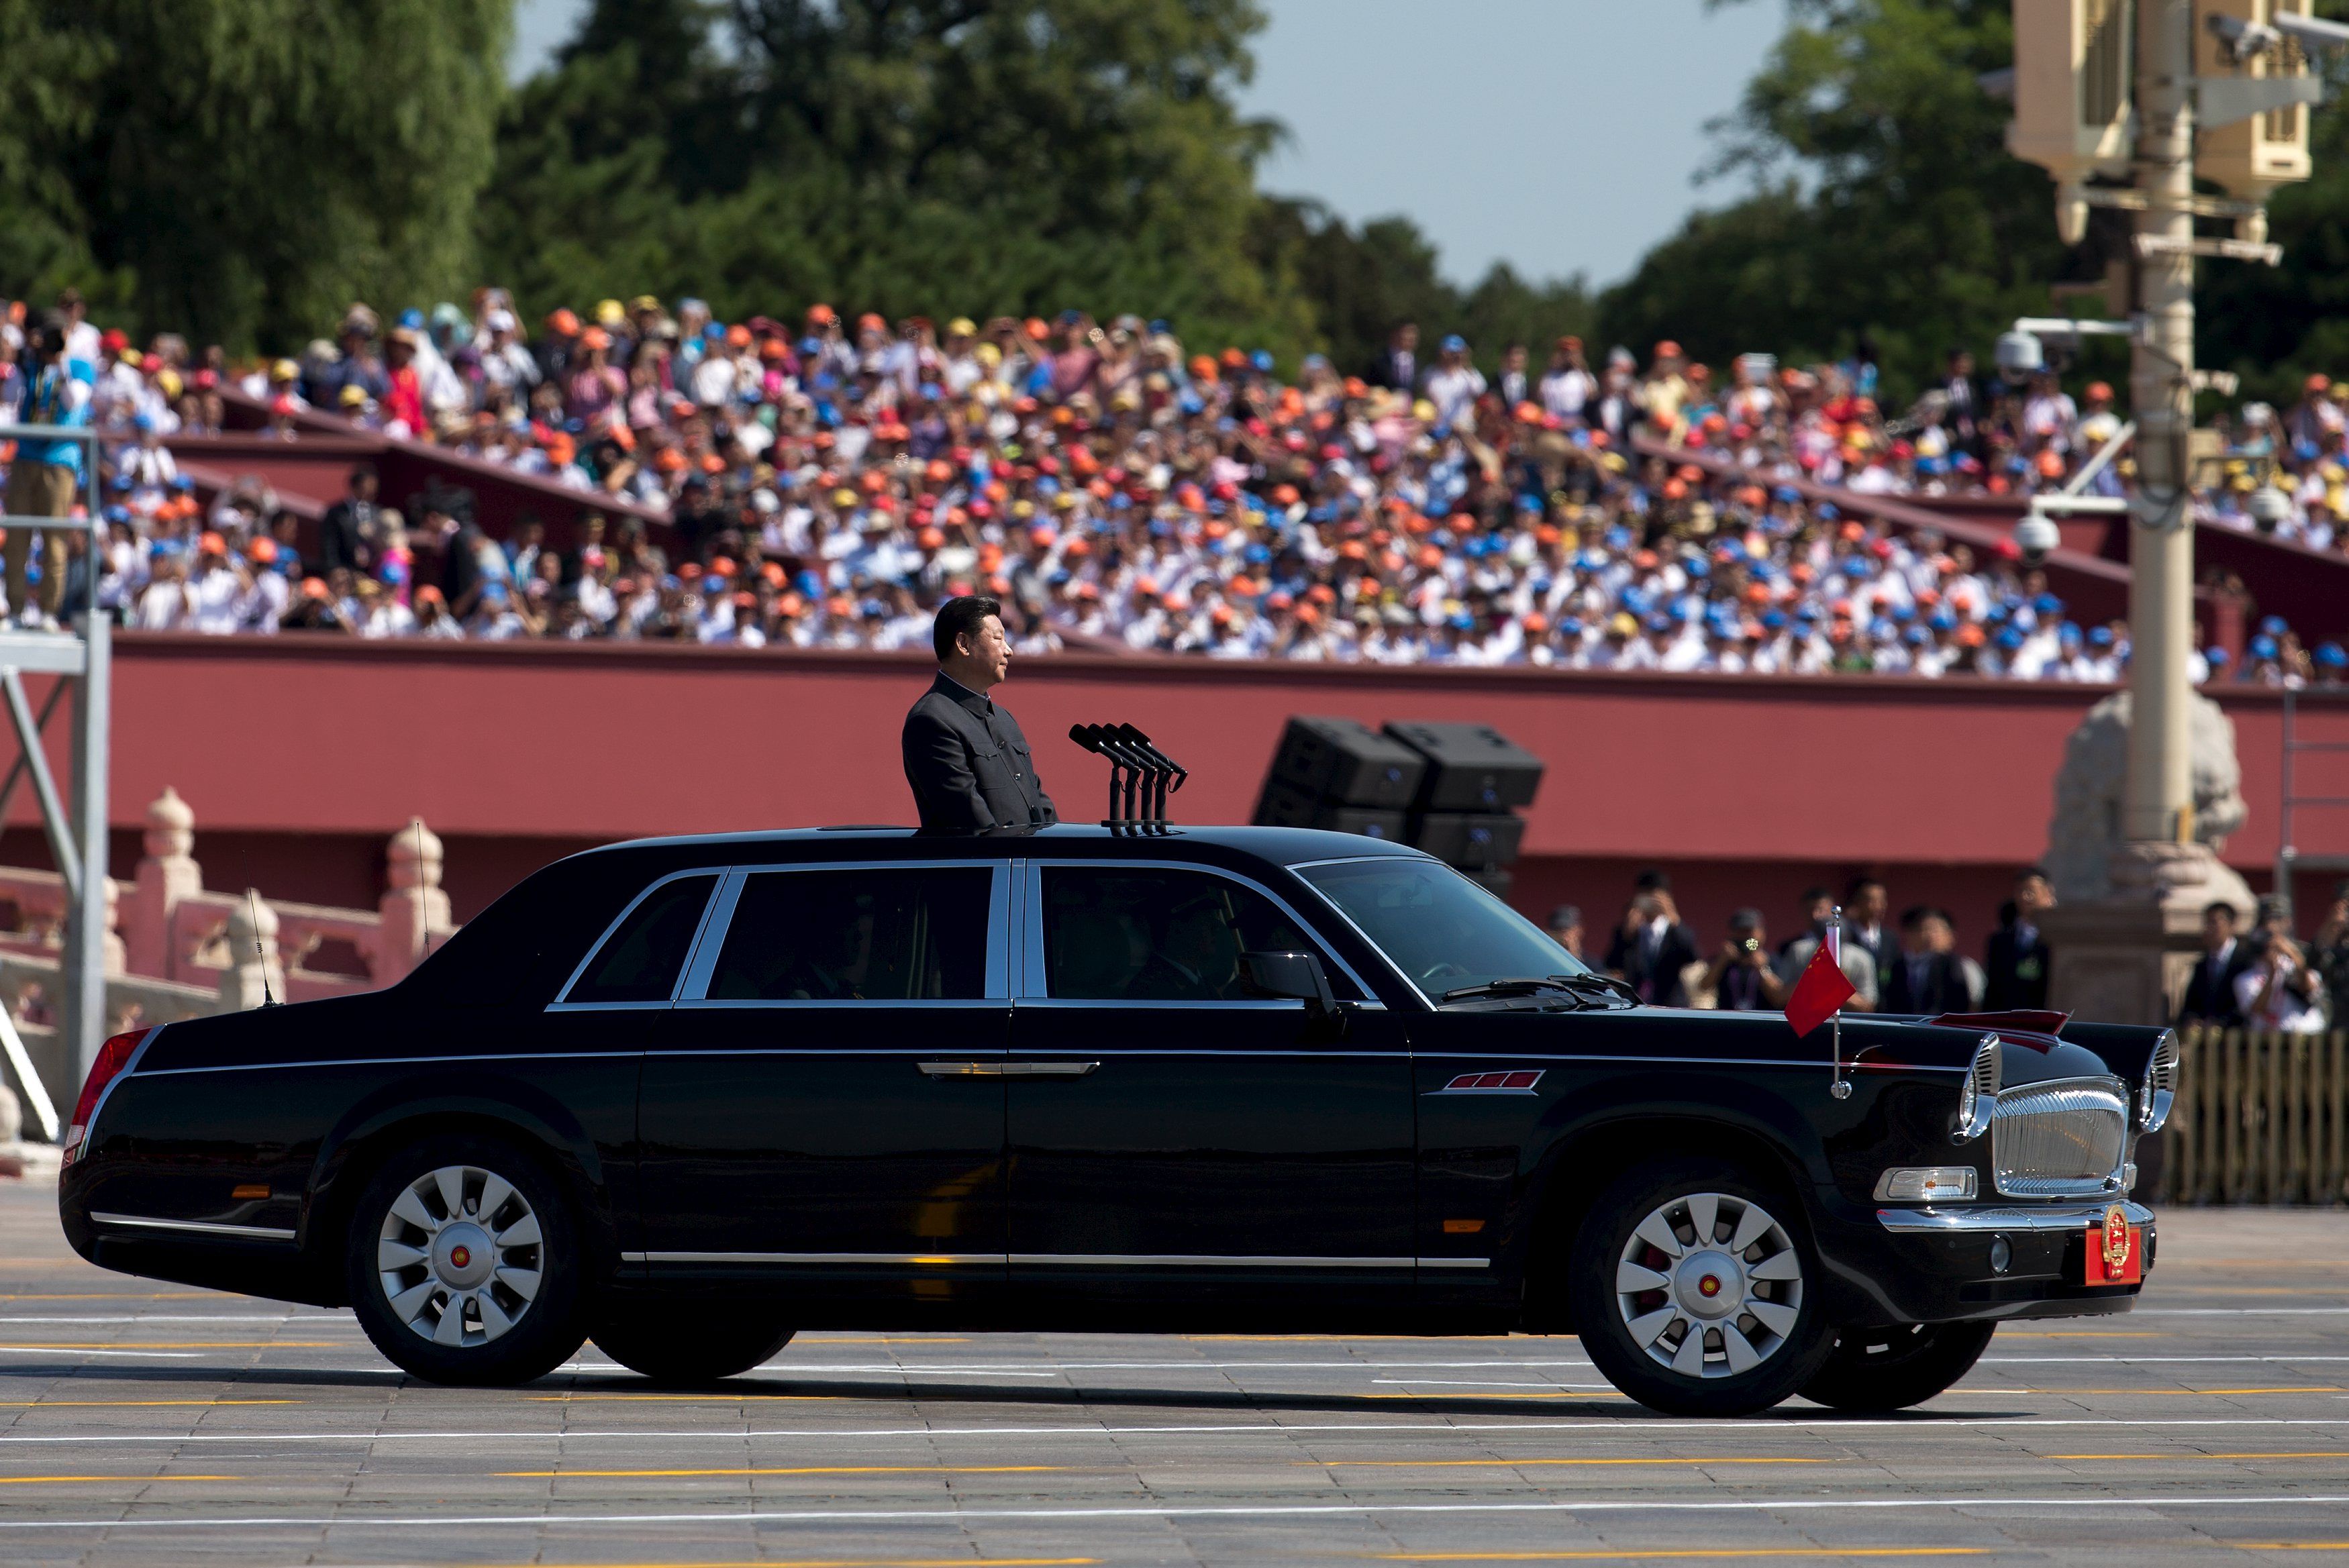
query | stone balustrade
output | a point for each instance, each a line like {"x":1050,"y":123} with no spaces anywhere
{"x":165,"y":924}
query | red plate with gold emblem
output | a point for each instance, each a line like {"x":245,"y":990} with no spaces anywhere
{"x":2116,"y":1251}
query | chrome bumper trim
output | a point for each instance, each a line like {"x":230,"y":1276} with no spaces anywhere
{"x":198,"y":1227}
{"x":2064,"y":1217}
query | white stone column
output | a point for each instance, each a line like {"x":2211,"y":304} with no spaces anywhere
{"x":242,"y":983}
{"x":415,"y":910}
{"x":167,"y":874}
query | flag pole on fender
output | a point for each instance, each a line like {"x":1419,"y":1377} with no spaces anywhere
{"x":1818,"y":998}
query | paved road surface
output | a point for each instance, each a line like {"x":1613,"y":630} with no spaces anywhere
{"x":147,"y":1424}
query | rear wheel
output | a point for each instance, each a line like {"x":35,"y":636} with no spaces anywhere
{"x":464,"y":1264}
{"x":1893,"y":1369}
{"x":686,"y":1342}
{"x":1692,"y":1290}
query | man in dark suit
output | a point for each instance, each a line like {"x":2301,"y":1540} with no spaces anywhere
{"x":2015,"y":961}
{"x":967,"y":763}
{"x":1398,"y":366}
{"x":1925,"y":977}
{"x":2211,"y":993}
{"x":347,"y":533}
{"x":1651,"y":947}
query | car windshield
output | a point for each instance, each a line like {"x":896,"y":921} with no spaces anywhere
{"x":1442,"y":930}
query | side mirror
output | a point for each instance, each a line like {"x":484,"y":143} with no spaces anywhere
{"x":1292,"y":976}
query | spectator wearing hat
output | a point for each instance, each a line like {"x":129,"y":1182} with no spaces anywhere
{"x":1455,"y":385}
{"x":2015,"y":959}
{"x":46,"y":475}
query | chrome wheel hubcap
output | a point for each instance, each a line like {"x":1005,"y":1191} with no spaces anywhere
{"x":460,"y":1256}
{"x":1709,"y":1285}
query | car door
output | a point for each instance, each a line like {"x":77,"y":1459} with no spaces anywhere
{"x":823,"y":1111}
{"x":1175,"y":1141}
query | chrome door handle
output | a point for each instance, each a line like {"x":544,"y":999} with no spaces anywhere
{"x":1006,"y":1070}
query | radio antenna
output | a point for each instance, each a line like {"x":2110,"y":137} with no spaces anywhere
{"x":253,"y":902}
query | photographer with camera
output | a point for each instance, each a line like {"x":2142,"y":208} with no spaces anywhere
{"x":1740,"y":975}
{"x":1652,"y":948}
{"x":2277,"y":988}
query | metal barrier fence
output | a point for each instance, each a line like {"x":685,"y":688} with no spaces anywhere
{"x":2259,"y":1119}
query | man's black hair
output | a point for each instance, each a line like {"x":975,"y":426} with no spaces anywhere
{"x":1812,"y":896}
{"x":2027,"y":872}
{"x":361,"y":471}
{"x":1916,"y":915}
{"x":1653,"y":880}
{"x":2219,"y":906}
{"x":1852,"y":889}
{"x":960,"y":616}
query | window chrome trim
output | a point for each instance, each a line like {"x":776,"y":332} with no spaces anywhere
{"x":198,"y":1227}
{"x":1302,"y":867}
{"x":418,"y":1061}
{"x":1038,"y":990}
{"x":563,"y":1003}
{"x":693,"y":992}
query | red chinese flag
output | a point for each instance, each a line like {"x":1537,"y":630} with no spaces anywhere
{"x":1823,"y":987}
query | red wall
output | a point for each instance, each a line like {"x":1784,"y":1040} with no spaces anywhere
{"x":300,"y":755}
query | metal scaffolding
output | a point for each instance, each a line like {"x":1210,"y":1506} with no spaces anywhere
{"x":76,"y":825}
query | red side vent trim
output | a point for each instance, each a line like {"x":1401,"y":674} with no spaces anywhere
{"x":1520,"y":1080}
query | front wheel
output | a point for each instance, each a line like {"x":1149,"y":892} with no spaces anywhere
{"x":1692,"y":1290}
{"x":684,"y":1342}
{"x":464,"y":1264}
{"x":1893,"y":1369}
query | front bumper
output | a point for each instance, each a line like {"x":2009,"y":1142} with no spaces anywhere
{"x":1897,"y":1265}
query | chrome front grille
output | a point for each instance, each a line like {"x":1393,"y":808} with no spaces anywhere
{"x":2059,"y":1140}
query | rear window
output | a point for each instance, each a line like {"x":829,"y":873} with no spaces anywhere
{"x":917,"y":935}
{"x":639,"y":961}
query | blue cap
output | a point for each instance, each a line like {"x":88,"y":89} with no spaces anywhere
{"x":2048,"y":605}
{"x":2331,"y":656}
{"x":411,"y":318}
{"x":2263,"y":648}
{"x":2100,"y":636}
{"x":2216,"y":657}
{"x":1776,"y":620}
{"x":2011,"y":638}
{"x":1943,"y":621}
{"x":1455,"y":344}
{"x":1918,"y":636}
{"x":2067,"y":633}
{"x":1571,"y":625}
{"x":1262,"y":360}
{"x":2274,"y":625}
{"x":1828,"y":512}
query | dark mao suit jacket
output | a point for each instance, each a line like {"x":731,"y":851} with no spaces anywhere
{"x":968,"y":764}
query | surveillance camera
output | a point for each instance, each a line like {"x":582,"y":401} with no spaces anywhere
{"x":2019,"y":355}
{"x":2035,"y":535}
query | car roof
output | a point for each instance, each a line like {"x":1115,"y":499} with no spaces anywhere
{"x":1279,"y":846}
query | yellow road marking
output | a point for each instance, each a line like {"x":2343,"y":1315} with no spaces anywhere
{"x":808,"y":1470}
{"x":2289,"y":1545}
{"x":66,"y":1479}
{"x":1620,"y":1556}
{"x":138,"y":1404}
{"x":1459,"y":1464}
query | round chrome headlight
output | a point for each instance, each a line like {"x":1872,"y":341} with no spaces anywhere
{"x":1978,"y":1093}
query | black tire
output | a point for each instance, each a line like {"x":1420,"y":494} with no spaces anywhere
{"x":519,"y":1318}
{"x":1893,"y":1369}
{"x":1778,"y":1269}
{"x":685,"y":1342}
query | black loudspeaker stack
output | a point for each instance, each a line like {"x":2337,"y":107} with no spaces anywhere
{"x":1451,"y":790}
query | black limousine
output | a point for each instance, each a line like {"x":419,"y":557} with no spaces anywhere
{"x":688,"y":1095}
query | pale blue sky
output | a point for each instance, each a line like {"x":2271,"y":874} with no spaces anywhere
{"x":1558,"y":135}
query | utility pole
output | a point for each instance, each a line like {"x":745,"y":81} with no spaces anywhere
{"x":2157,"y":802}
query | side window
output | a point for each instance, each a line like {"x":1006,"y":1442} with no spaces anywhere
{"x":639,"y":961}
{"x":862,"y":935}
{"x":1121,"y":934}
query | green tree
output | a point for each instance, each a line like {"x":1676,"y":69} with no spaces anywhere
{"x":1887,"y":208}
{"x":240,"y":170}
{"x":935,"y":156}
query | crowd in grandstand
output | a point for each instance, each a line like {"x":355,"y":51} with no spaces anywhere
{"x":826,"y":483}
